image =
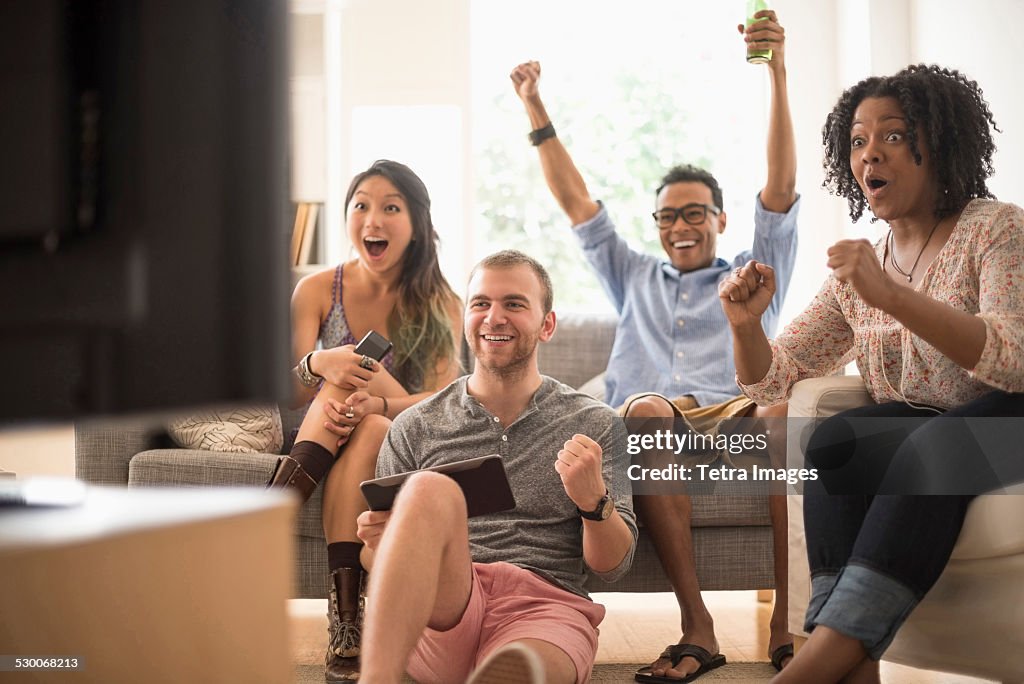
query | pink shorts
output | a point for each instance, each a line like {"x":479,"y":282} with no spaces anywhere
{"x":507,"y":604}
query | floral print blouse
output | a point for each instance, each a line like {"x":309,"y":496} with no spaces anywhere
{"x":979,"y":270}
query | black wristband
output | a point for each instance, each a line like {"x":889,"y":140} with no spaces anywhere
{"x":541,"y":134}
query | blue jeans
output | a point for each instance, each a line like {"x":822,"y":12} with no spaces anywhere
{"x":873,"y":557}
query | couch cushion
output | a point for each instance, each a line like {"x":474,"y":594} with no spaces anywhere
{"x":992,"y":527}
{"x":827,"y":396}
{"x":579,"y":349}
{"x":594,"y":387}
{"x":729,"y":510}
{"x":727,"y":558}
{"x":187,"y":468}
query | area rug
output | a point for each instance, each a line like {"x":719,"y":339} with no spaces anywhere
{"x":732,"y":673}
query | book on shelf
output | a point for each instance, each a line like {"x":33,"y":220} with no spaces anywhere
{"x":303,"y":232}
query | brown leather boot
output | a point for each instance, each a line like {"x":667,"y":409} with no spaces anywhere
{"x":289,"y":474}
{"x":345,"y":609}
{"x":302,"y":469}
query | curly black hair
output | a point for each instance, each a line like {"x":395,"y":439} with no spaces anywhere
{"x":954,"y":116}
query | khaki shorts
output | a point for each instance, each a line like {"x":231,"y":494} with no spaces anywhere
{"x":703,"y":419}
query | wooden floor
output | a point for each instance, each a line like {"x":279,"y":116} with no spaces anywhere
{"x":638,"y":626}
{"x":636,"y":629}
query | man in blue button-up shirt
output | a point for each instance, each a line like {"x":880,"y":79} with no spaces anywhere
{"x":673,"y":339}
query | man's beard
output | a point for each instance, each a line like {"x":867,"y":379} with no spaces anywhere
{"x":522,"y":352}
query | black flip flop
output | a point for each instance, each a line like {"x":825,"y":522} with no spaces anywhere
{"x":674,"y":653}
{"x":781,"y":653}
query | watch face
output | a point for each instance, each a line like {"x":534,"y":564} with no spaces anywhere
{"x":606,"y":508}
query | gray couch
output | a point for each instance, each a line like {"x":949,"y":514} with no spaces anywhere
{"x":732,"y":534}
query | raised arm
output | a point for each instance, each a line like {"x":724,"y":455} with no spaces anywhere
{"x":745,"y":296}
{"x":563,"y":178}
{"x":779,"y":190}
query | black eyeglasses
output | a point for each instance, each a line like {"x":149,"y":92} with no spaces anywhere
{"x":693,"y":214}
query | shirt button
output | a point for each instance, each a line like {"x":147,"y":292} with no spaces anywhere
{"x":680,"y":322}
{"x":504,"y":438}
{"x":677,"y":378}
{"x":679,"y":355}
{"x":686,"y":297}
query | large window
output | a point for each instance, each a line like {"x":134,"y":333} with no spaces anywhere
{"x":392,"y":132}
{"x":631,"y":90}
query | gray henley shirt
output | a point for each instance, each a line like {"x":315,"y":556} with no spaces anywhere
{"x":543,"y":533}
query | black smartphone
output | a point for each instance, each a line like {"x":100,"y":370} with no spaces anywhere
{"x":373,"y":345}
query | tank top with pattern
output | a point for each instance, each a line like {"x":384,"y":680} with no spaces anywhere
{"x":335,"y":331}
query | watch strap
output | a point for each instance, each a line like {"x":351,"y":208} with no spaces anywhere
{"x":539,"y":135}
{"x":602,"y":511}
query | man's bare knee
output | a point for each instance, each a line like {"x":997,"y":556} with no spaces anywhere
{"x":374,"y":424}
{"x":558,"y":666}
{"x":776,"y":411}
{"x":650,"y":407}
{"x":433,"y":497}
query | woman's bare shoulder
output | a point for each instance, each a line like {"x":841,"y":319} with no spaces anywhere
{"x":315,"y":286}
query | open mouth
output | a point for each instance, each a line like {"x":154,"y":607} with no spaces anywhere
{"x":875,"y":183}
{"x":375,"y":246}
{"x":684,"y":244}
{"x":497,"y":338}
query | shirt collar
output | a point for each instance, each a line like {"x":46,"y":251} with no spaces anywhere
{"x":668,"y":269}
{"x":477,"y":410}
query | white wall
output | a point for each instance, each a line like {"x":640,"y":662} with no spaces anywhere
{"x":308,"y":109}
{"x":983,"y":40}
{"x":393,"y":54}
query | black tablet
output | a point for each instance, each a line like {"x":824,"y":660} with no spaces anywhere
{"x":482,"y":479}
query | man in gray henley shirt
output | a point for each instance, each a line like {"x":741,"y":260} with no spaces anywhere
{"x":449,"y":596}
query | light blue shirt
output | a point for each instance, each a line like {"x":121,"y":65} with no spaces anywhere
{"x":673,"y":337}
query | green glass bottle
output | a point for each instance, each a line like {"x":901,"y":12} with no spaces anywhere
{"x":756,"y":56}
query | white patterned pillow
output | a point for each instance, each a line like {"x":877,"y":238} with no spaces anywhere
{"x":253,"y":429}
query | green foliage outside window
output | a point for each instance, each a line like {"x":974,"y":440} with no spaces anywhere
{"x":622,"y":142}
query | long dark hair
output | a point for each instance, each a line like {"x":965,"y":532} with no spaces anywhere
{"x":420,"y":325}
{"x":956,"y":121}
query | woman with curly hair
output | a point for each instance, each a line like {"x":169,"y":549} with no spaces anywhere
{"x":393,"y":286}
{"x":933,"y":314}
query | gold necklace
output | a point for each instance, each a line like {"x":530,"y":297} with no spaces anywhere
{"x":890,"y":247}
